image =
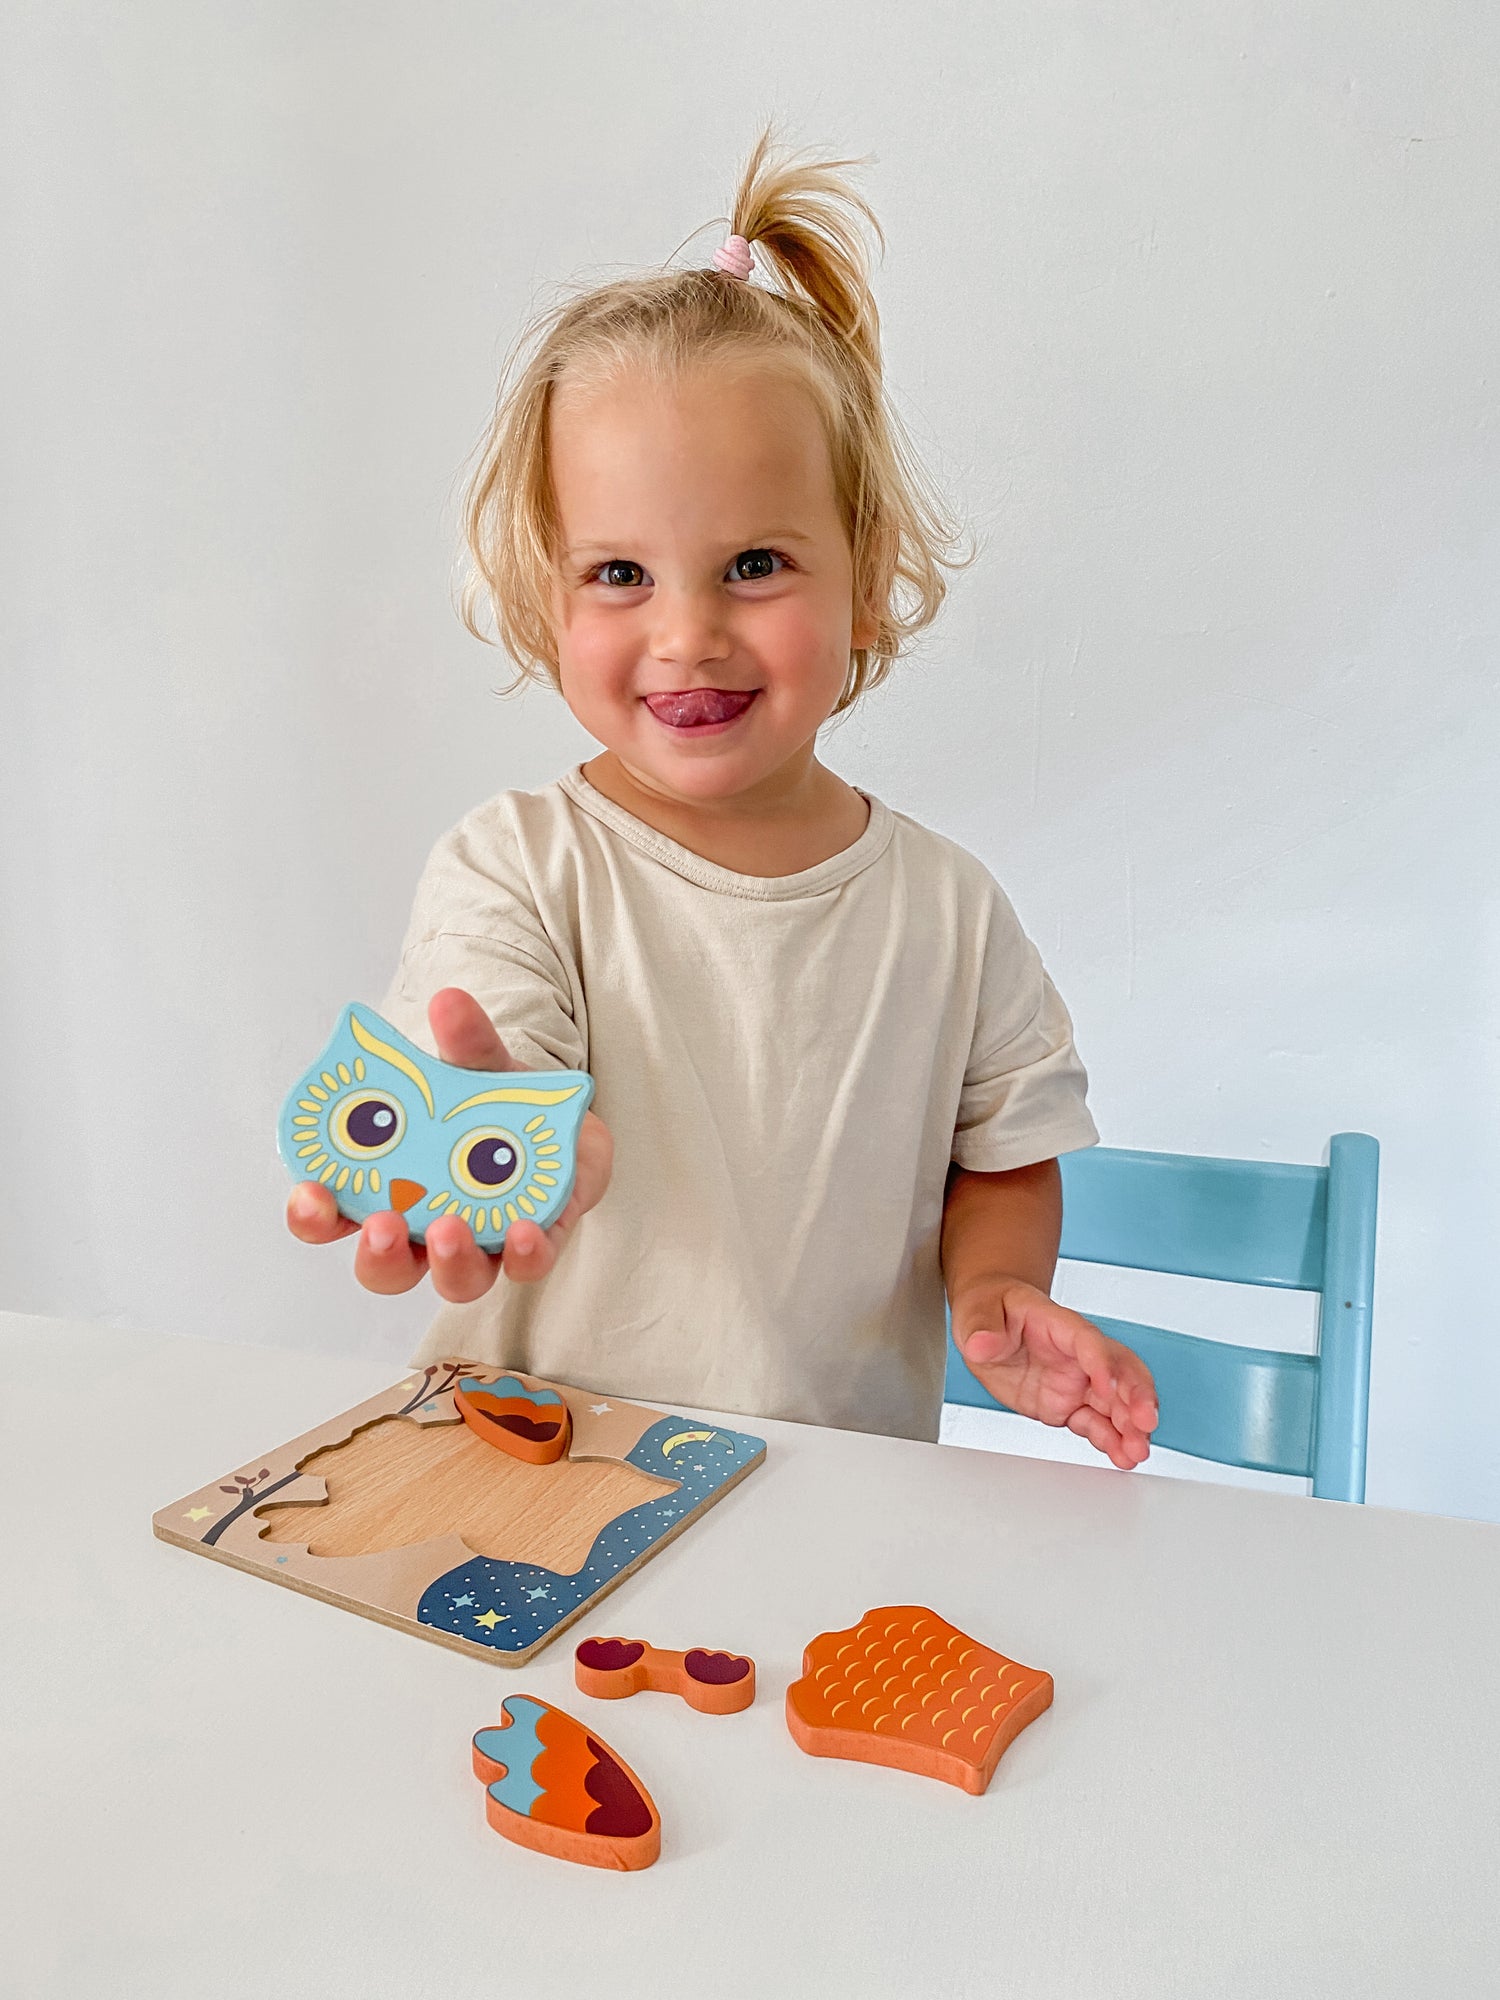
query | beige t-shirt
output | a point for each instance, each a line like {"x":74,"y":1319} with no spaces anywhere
{"x":787,"y":1065}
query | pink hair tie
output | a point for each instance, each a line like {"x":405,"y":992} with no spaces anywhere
{"x":734,"y":257}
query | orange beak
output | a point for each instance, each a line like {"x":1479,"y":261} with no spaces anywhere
{"x":405,"y":1194}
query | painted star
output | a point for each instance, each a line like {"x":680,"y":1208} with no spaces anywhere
{"x":460,"y":1602}
{"x":197,"y":1513}
{"x":490,"y":1619}
{"x":599,"y":1409}
{"x":540,"y":1591}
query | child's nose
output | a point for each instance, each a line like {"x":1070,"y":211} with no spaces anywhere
{"x":688,"y":627}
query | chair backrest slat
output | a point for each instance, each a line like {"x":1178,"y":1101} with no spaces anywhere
{"x":1246,"y":1406}
{"x":1250,"y":1222}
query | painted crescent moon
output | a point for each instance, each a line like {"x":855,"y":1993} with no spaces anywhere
{"x":686,"y":1437}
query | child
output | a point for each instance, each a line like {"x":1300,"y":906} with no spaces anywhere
{"x":830,"y":1071}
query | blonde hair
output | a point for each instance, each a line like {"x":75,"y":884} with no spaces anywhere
{"x":821,"y":323}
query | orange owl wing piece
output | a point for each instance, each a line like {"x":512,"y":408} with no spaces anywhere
{"x":534,"y":1425}
{"x":553,"y":1785}
{"x":904,"y":1687}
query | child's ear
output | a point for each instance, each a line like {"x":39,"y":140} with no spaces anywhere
{"x":865,"y":632}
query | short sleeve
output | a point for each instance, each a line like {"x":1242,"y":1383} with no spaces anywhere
{"x":1024,"y":1094}
{"x":474,"y":924}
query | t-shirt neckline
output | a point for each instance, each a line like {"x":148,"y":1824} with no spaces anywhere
{"x":828,"y":874}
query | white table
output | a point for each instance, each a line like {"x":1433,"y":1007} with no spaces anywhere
{"x":1272,"y":1765}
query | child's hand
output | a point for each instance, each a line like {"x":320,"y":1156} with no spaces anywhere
{"x":1055,"y":1365}
{"x":387,"y":1260}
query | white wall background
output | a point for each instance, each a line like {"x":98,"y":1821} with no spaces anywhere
{"x":1193,"y":309}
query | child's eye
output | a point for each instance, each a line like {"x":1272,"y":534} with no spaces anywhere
{"x":757,"y":558}
{"x":606,"y":574}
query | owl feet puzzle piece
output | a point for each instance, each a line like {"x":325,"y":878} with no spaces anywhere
{"x":397,"y":1510}
{"x":905,"y":1688}
{"x":383,"y":1125}
{"x":713,"y":1683}
{"x":553,"y":1785}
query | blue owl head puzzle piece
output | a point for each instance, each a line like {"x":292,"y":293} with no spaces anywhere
{"x":384,"y":1125}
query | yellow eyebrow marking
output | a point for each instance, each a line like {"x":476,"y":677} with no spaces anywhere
{"x":376,"y":1047}
{"x":514,"y":1095}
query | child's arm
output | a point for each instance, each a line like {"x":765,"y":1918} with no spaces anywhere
{"x":387,"y":1260}
{"x":999,"y":1251}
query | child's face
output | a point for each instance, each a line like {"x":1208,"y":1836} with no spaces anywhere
{"x":704,"y":616}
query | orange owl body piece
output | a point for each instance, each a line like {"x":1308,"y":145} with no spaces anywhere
{"x":714,"y":1683}
{"x":906,"y":1688}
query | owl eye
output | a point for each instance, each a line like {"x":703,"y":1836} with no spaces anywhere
{"x":366,"y":1124}
{"x":487,"y":1162}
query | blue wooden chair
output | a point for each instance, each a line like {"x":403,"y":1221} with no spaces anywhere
{"x":1306,"y":1229}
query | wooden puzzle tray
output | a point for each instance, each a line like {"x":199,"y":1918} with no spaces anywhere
{"x":398,"y":1510}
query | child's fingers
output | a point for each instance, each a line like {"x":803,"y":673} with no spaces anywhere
{"x":983,"y":1347}
{"x":312,"y":1214}
{"x":461,"y":1272}
{"x":1126,"y":1391}
{"x":1125,"y":1451}
{"x":1142,"y":1405}
{"x":596,"y":1155}
{"x":1092,"y":1353}
{"x":465,"y":1034}
{"x":1134,"y":1400}
{"x":529,"y":1251}
{"x":385,"y":1258}
{"x":1098,"y":1431}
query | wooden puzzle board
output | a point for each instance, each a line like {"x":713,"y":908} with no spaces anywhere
{"x":397,"y":1510}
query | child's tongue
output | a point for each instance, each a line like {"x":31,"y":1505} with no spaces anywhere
{"x":689,"y":710}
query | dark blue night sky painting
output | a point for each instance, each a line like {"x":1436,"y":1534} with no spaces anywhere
{"x":509,"y":1606}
